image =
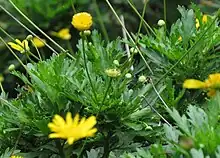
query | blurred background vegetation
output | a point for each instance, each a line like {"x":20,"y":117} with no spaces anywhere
{"x":53,"y":15}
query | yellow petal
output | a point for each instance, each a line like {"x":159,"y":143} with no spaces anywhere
{"x":54,"y":135}
{"x":15,"y":46}
{"x":82,"y":121}
{"x":91,"y":132}
{"x":193,"y":84}
{"x":197,"y":23}
{"x":58,"y":120}
{"x":18,"y":42}
{"x":205,"y":18}
{"x":69,"y":119}
{"x":25,"y":45}
{"x":76,"y":120}
{"x":70,"y":140}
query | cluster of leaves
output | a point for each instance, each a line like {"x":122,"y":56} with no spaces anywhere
{"x":60,"y":84}
{"x":185,"y":52}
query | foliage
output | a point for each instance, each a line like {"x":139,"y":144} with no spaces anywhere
{"x":151,"y":117}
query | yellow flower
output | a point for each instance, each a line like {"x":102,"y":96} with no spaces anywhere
{"x":211,"y":84}
{"x":72,"y":129}
{"x":13,"y":156}
{"x":82,"y":21}
{"x":180,"y":39}
{"x":113,"y":72}
{"x":205,"y":18}
{"x":63,"y":34}
{"x":22,"y":47}
{"x":197,"y":23}
{"x":39,"y":43}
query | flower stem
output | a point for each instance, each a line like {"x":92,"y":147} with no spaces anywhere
{"x":36,"y":50}
{"x":106,"y":92}
{"x":103,"y":28}
{"x":19,"y":60}
{"x":130,"y":37}
{"x":1,"y":87}
{"x":81,"y":150}
{"x":86,"y":68}
{"x":60,"y":148}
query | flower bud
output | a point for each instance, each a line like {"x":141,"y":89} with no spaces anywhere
{"x":87,"y":32}
{"x":11,"y":67}
{"x":113,"y":72}
{"x":134,"y":50}
{"x":161,"y":23}
{"x":128,"y":75}
{"x":29,"y":37}
{"x":116,"y":62}
{"x":142,"y":79}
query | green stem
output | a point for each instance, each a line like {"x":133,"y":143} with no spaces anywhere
{"x":106,"y":147}
{"x":36,"y":50}
{"x":103,"y":28}
{"x":81,"y":150}
{"x":141,"y":22}
{"x":86,"y":68}
{"x":133,"y":42}
{"x":19,"y":60}
{"x":25,"y":28}
{"x":165,"y":12}
{"x":60,"y":148}
{"x":70,"y":47}
{"x":106,"y":92}
{"x":32,"y":23}
{"x":73,"y":7}
{"x":16,"y":143}
{"x":135,"y":10}
{"x":1,"y":87}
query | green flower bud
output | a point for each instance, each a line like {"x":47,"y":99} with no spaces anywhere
{"x":116,"y":62}
{"x":142,"y":79}
{"x":161,"y":23}
{"x":128,"y":75}
{"x":11,"y":67}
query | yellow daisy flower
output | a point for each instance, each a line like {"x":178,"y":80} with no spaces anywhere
{"x":72,"y":129}
{"x":22,"y":47}
{"x":13,"y":156}
{"x":63,"y":34}
{"x":197,"y":23}
{"x":82,"y":21}
{"x":180,"y":39}
{"x":39,"y":43}
{"x":205,"y":18}
{"x":211,"y":84}
{"x":113,"y":72}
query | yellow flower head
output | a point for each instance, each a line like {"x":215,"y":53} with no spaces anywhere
{"x":205,"y":18}
{"x":22,"y":47}
{"x":13,"y":156}
{"x":180,"y":39}
{"x":113,"y":72}
{"x":39,"y":43}
{"x":211,"y":84}
{"x":82,"y":21}
{"x":63,"y":34}
{"x":72,"y":129}
{"x":197,"y":23}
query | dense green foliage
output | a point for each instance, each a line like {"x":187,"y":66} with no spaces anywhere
{"x":136,"y":118}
